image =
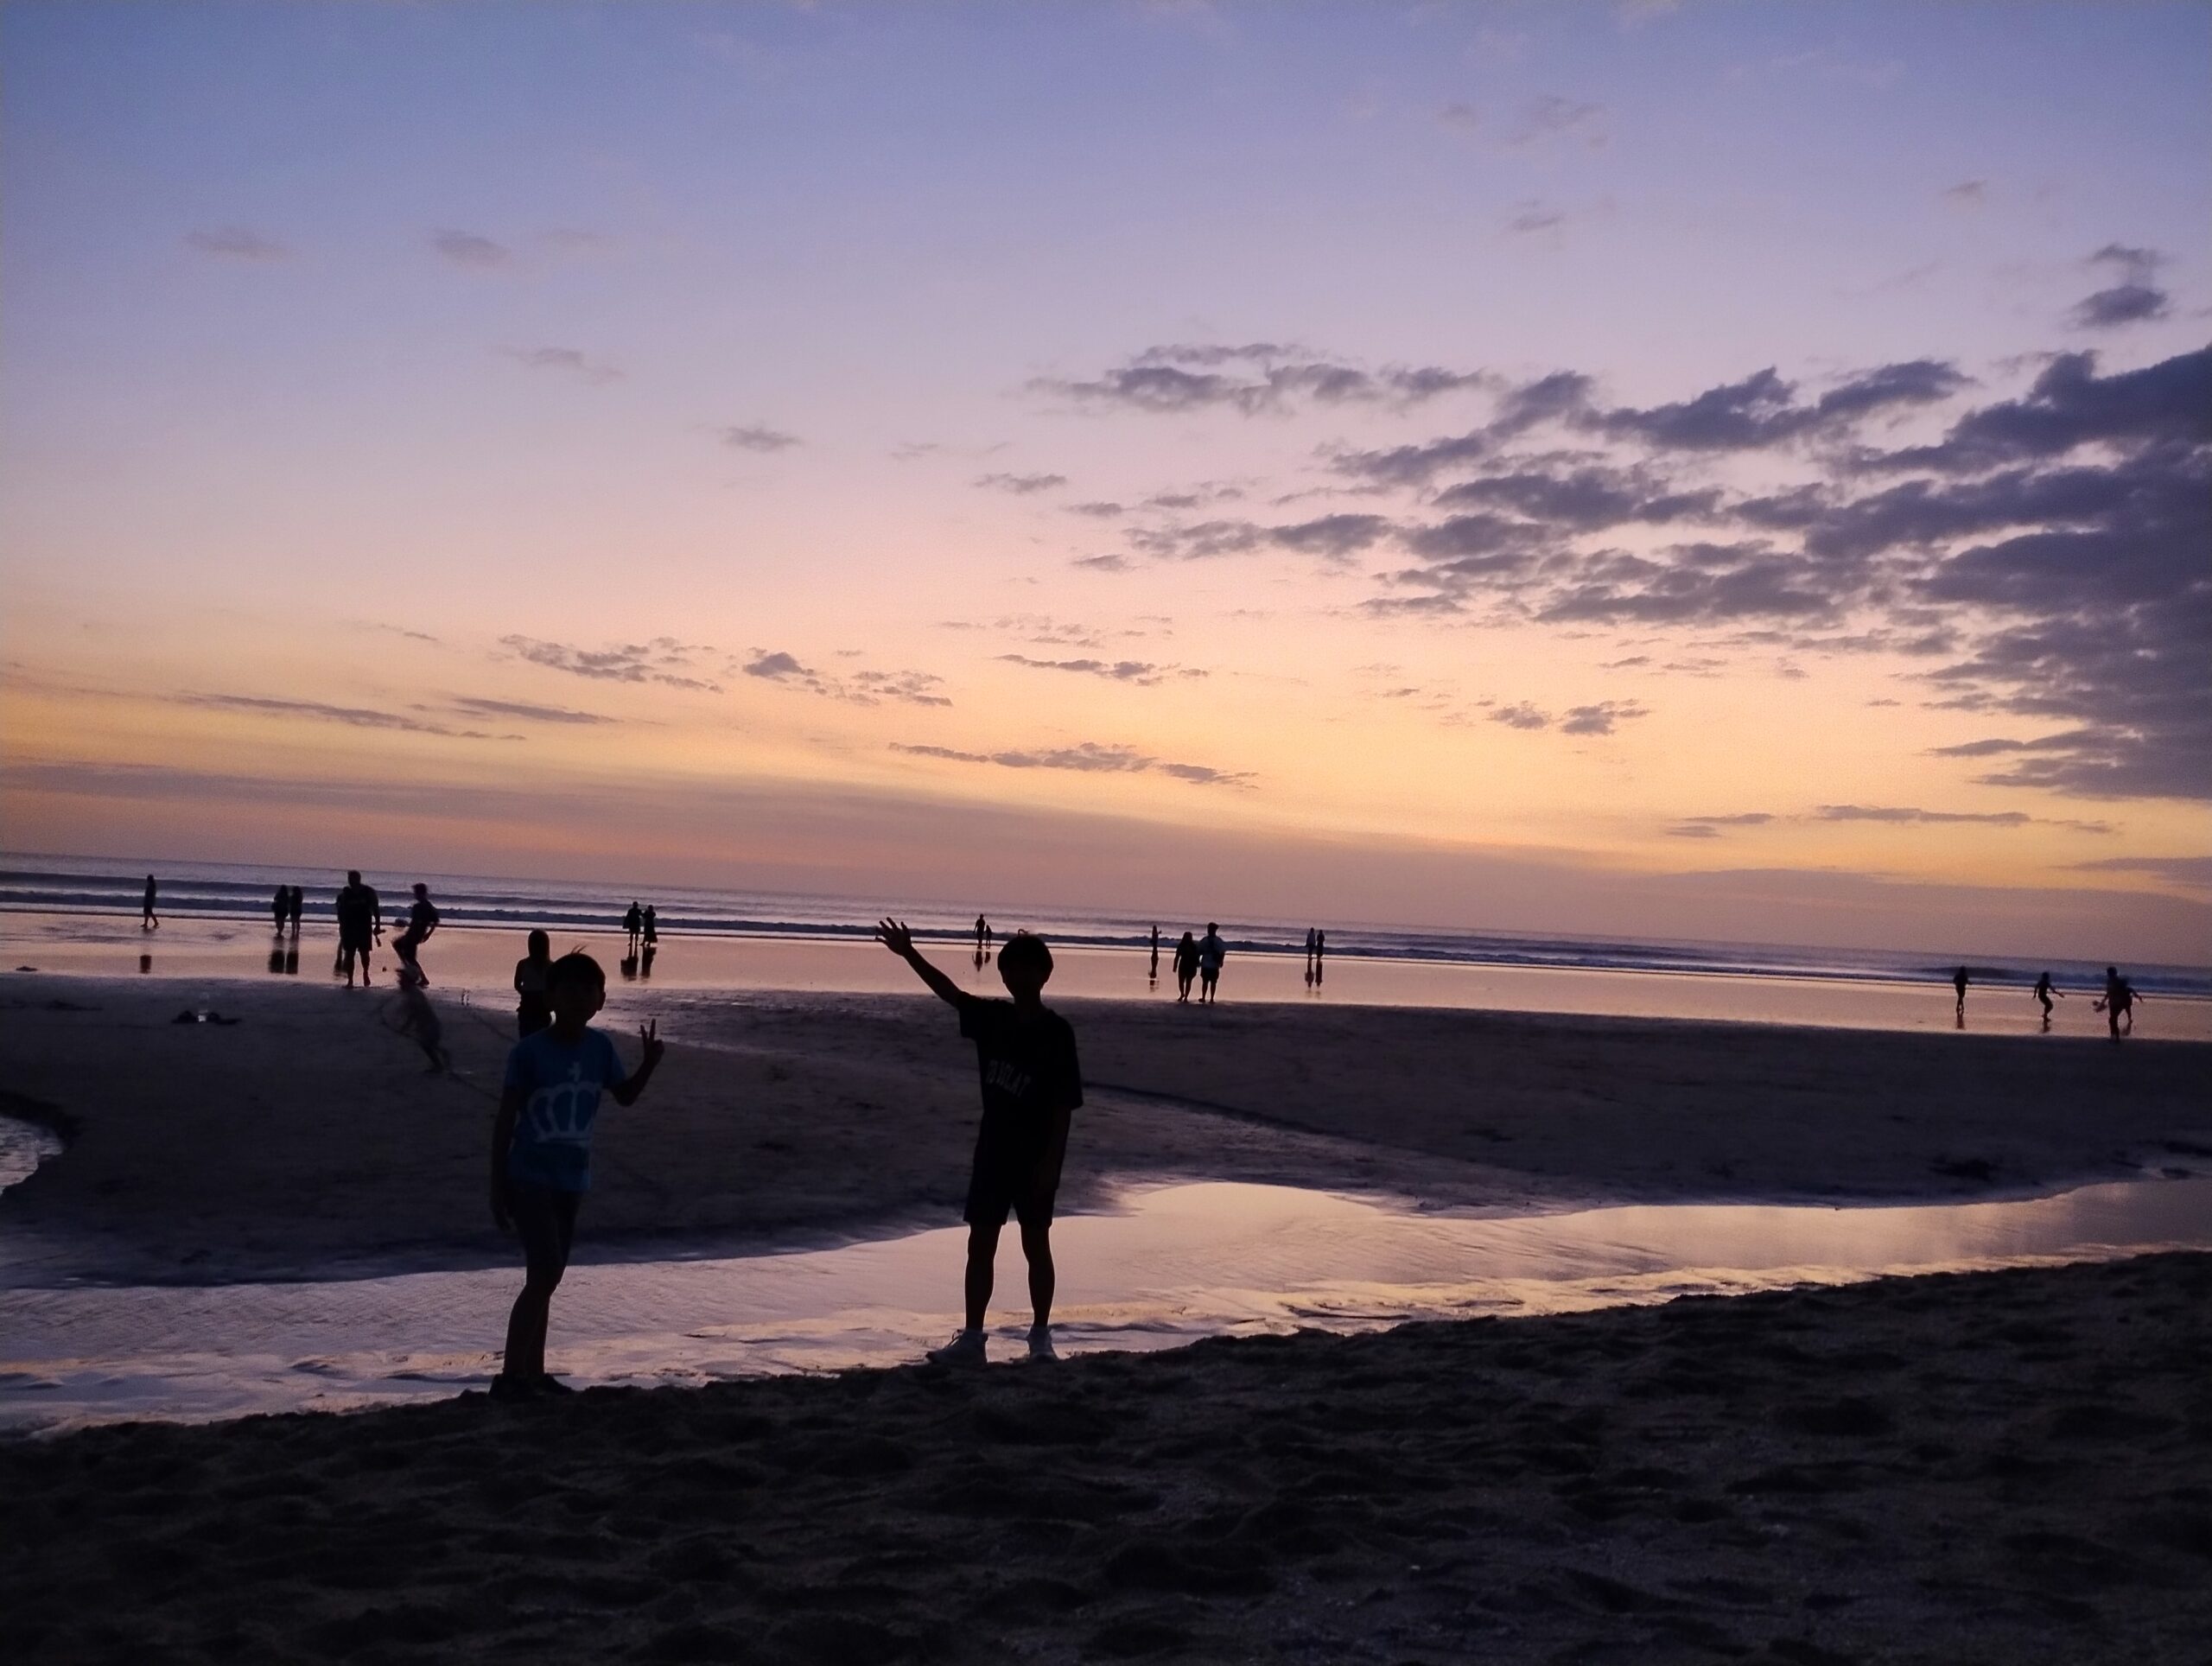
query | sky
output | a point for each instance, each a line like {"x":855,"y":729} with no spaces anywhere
{"x":1727,"y":471}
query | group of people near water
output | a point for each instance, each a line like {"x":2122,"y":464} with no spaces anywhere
{"x":2117,"y":1003}
{"x":1196,"y":959}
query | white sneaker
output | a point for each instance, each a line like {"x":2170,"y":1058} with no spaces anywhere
{"x":1040,"y":1343}
{"x":965,"y":1349}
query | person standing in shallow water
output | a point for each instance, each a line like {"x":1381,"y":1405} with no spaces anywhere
{"x":1212,"y":952}
{"x":296,"y":909}
{"x":148,"y":919}
{"x":281,"y":908}
{"x":1151,"y":973}
{"x":634,"y":922}
{"x":2044,"y":993}
{"x":1186,"y":967}
{"x":533,"y":986}
{"x":1033,"y":1085}
{"x":1959,"y":981}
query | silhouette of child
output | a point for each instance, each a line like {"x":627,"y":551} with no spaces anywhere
{"x":1032,"y":1086}
{"x":540,"y":1152}
{"x":533,"y":986}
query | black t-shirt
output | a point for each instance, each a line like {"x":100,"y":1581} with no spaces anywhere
{"x":1028,"y":1065}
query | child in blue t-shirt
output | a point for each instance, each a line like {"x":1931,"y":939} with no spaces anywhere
{"x":540,"y":1152}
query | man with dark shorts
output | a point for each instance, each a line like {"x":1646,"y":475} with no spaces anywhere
{"x":1031,"y":1083}
{"x":359,"y":915}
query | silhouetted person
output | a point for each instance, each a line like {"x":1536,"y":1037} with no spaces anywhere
{"x":359,"y":917}
{"x":652,"y":926}
{"x":281,"y":909}
{"x":634,"y":922}
{"x":1032,"y":1086}
{"x":1309,"y":957}
{"x":148,"y":919}
{"x":1186,"y":967}
{"x":422,"y":920}
{"x":1212,"y":952}
{"x":2043,"y":992}
{"x":1320,"y":955}
{"x":983,"y":940}
{"x":1151,"y":973}
{"x":2119,"y":1002}
{"x":1959,"y":982}
{"x":533,"y":986}
{"x":540,"y":1152}
{"x":297,"y":908}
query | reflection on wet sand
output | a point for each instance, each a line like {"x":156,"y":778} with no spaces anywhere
{"x":1177,"y":1264}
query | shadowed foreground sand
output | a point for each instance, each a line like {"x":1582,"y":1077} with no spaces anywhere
{"x":2012,"y":1467}
{"x":307,"y":1141}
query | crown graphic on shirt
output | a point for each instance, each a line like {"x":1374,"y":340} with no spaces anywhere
{"x":564,"y":1112}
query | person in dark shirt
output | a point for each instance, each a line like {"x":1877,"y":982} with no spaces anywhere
{"x":148,"y":919}
{"x":1032,"y":1084}
{"x":2044,"y":993}
{"x":281,"y":909}
{"x":1186,"y":967}
{"x":296,"y":909}
{"x":422,"y":920}
{"x":360,"y":918}
{"x":1959,"y":982}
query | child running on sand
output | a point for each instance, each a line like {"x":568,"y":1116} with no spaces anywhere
{"x":540,"y":1152}
{"x":1032,"y":1084}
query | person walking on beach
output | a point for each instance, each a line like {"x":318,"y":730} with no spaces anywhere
{"x":148,"y":919}
{"x":533,"y":987}
{"x":1186,"y":967}
{"x":422,"y":920}
{"x":2043,"y":992}
{"x":634,"y":922}
{"x":1151,"y":973}
{"x":2119,"y":1001}
{"x":1320,"y":953}
{"x":1033,"y":1085}
{"x":1309,"y":957}
{"x":1212,"y":952}
{"x":651,"y":927}
{"x":296,"y":909}
{"x":1959,"y":982}
{"x":281,"y":908}
{"x":540,"y":1152}
{"x":983,"y":941}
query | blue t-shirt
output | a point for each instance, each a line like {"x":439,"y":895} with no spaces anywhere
{"x":561,"y":1083}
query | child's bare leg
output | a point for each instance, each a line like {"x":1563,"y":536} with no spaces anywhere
{"x":526,"y":1325}
{"x":1037,"y":1245}
{"x":983,"y":1260}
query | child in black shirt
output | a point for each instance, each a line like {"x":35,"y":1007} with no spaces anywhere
{"x":1031,"y":1083}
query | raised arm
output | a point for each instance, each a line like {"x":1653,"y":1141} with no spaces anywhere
{"x":894,"y":935}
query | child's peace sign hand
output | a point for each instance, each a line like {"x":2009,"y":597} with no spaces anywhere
{"x":649,"y":1034}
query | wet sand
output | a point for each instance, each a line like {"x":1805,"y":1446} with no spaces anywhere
{"x":2012,"y":1466}
{"x":308,"y":1140}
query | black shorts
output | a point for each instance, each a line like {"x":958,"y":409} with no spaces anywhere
{"x":545,"y":1221}
{"x":1006,"y":1177}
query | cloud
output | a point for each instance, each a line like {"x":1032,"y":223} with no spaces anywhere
{"x":1142,"y":672}
{"x":1021,"y":486}
{"x":467,"y":249}
{"x":1966,"y":194}
{"x":1108,"y":563}
{"x":1521,"y":716}
{"x":570,"y":360}
{"x":1901,"y":816}
{"x":1254,"y":378}
{"x":1601,"y":718}
{"x":236,"y":243}
{"x":662,"y":660}
{"x":318,"y":711}
{"x":859,"y":688}
{"x":1529,"y":218}
{"x":1710,"y":827}
{"x":1332,"y":538}
{"x":1097,"y":510}
{"x":2195,"y":872}
{"x":1763,"y":410}
{"x":2134,"y":300}
{"x":1088,"y":757}
{"x":1460,"y":117}
{"x":756,"y":437}
{"x":1551,"y":119}
{"x":473,"y":706}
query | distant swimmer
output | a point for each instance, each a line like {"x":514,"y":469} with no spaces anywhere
{"x":1958,"y":981}
{"x":422,"y":920}
{"x":148,"y":919}
{"x":1186,"y":966}
{"x":1212,"y":952}
{"x":2044,"y":993}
